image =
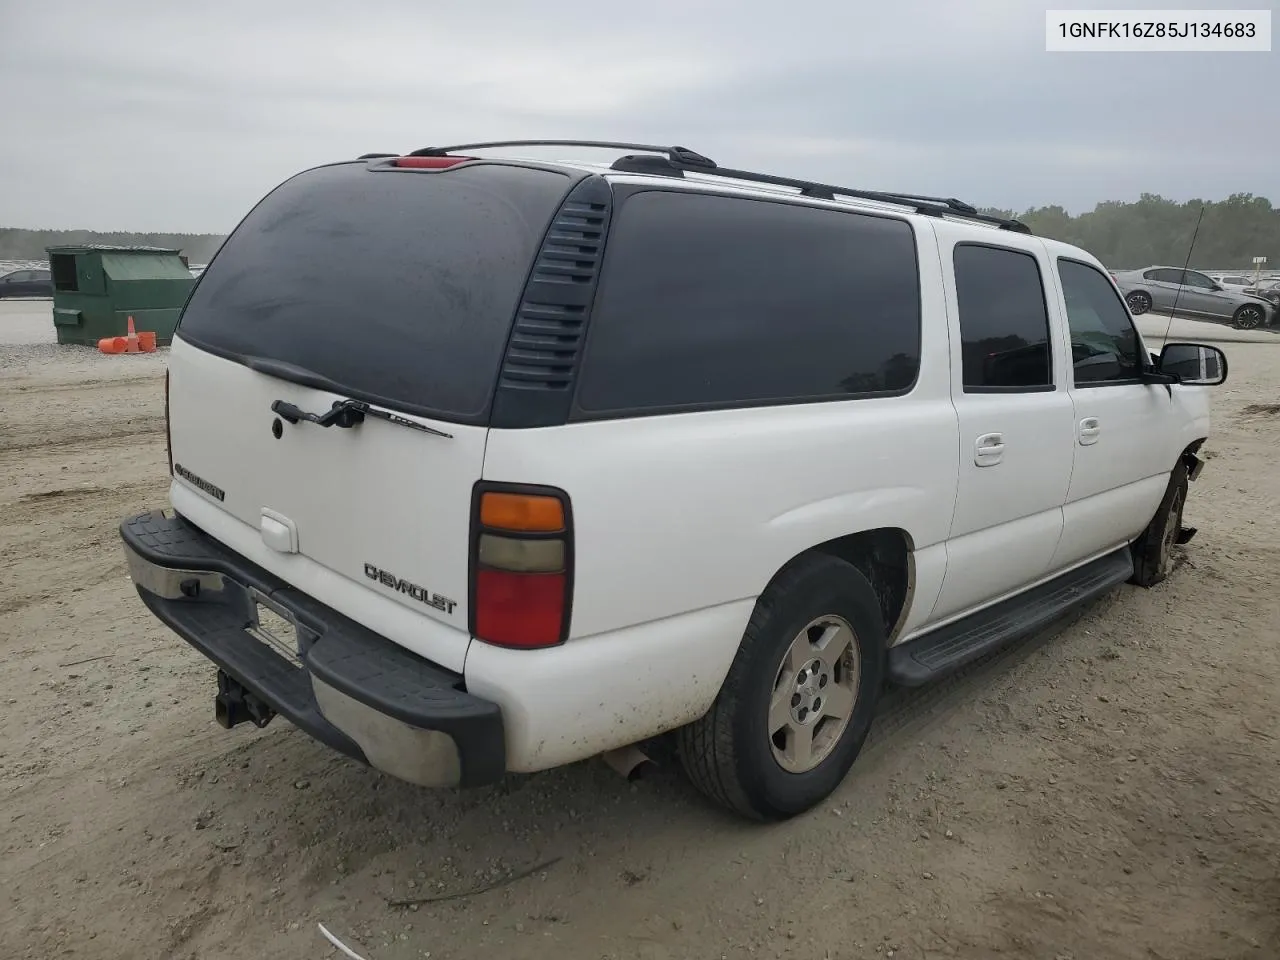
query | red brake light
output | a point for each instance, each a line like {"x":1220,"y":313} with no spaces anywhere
{"x":521,"y":561}
{"x":519,"y":609}
{"x":429,"y":163}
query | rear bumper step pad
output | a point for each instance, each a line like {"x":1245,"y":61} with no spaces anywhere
{"x":355,"y":690}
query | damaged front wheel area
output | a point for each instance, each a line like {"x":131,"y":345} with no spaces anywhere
{"x":1153,"y":550}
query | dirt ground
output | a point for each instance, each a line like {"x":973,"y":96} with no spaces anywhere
{"x":1108,"y":790}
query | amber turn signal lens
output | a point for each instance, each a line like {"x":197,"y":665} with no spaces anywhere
{"x":521,"y":512}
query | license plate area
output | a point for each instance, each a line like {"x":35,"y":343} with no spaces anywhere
{"x":275,"y":627}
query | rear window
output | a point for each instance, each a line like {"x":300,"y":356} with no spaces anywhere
{"x":398,"y":286}
{"x":711,"y":301}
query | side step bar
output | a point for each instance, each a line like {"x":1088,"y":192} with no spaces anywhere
{"x":949,"y":648}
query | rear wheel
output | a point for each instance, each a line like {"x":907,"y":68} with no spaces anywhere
{"x":1139,"y":302}
{"x":1153,"y":551}
{"x":1248,"y":317}
{"x":799,"y":698}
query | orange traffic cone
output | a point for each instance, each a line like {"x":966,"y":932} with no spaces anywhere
{"x":132,"y":342}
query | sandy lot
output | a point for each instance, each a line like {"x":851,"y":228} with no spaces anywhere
{"x":1110,"y":789}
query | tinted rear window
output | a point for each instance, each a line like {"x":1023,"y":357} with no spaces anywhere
{"x":719,"y":301}
{"x":1004,"y":323}
{"x":399,"y":286}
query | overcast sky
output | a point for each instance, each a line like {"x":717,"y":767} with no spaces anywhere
{"x":179,"y":115}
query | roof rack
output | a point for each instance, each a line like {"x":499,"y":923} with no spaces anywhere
{"x":679,"y":155}
{"x":676,"y":161}
{"x":931,"y":206}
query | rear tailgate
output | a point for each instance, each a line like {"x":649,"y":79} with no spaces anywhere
{"x":392,"y":287}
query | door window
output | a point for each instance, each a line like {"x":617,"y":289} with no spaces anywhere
{"x":1105,"y":347}
{"x":1199,"y":281}
{"x":1004,"y":324}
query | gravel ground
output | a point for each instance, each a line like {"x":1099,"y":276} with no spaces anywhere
{"x":1108,"y":790}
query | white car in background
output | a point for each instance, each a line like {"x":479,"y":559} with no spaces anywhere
{"x":1232,"y":279}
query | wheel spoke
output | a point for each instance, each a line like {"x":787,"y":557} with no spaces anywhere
{"x":800,"y":745}
{"x":837,"y":701}
{"x":835,"y":640}
{"x":780,"y":708}
{"x":798,"y":656}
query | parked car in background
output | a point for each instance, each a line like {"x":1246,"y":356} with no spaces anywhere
{"x":1266,"y":289}
{"x":26,"y":283}
{"x":1232,"y":279}
{"x":1197,"y":296}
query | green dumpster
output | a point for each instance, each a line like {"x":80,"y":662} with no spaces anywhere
{"x":96,"y":288}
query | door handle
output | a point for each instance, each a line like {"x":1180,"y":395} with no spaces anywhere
{"x":988,"y":449}
{"x":1089,"y":430}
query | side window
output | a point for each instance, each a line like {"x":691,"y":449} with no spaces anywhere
{"x":1004,"y":323}
{"x":20,"y":276}
{"x":1104,"y":344}
{"x":1165,"y":275}
{"x":714,"y":301}
{"x":1199,"y":280}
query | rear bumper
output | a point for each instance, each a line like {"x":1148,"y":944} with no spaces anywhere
{"x":350,"y":688}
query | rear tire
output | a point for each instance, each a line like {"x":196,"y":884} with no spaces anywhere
{"x":1153,"y":550}
{"x":1139,"y":302}
{"x":813,"y":648}
{"x":1248,"y":317}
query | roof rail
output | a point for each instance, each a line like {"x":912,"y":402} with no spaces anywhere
{"x":931,"y":206}
{"x":675,"y":161}
{"x":679,"y":155}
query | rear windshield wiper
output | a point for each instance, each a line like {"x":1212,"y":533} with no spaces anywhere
{"x":343,"y":413}
{"x":349,"y":413}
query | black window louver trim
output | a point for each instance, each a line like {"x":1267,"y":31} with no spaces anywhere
{"x":535,"y":384}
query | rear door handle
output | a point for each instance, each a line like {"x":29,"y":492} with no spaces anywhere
{"x":988,"y":449}
{"x":1089,"y":430}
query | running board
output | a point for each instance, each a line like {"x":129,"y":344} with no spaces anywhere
{"x":948,"y":648}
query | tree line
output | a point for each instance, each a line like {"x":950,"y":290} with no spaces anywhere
{"x":19,"y":244}
{"x":1152,"y":230}
{"x":1155,"y":230}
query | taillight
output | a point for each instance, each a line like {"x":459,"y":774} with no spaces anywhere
{"x":428,"y":163}
{"x":521,"y":563}
{"x":168,"y":434}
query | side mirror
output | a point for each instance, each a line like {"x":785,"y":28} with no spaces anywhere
{"x":1194,"y":364}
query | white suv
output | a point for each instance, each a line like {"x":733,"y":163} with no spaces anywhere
{"x":492,"y":465}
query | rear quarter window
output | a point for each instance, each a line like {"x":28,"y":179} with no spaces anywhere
{"x":398,"y":286}
{"x":714,"y":301}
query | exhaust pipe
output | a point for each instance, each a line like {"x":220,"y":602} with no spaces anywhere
{"x":629,"y":762}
